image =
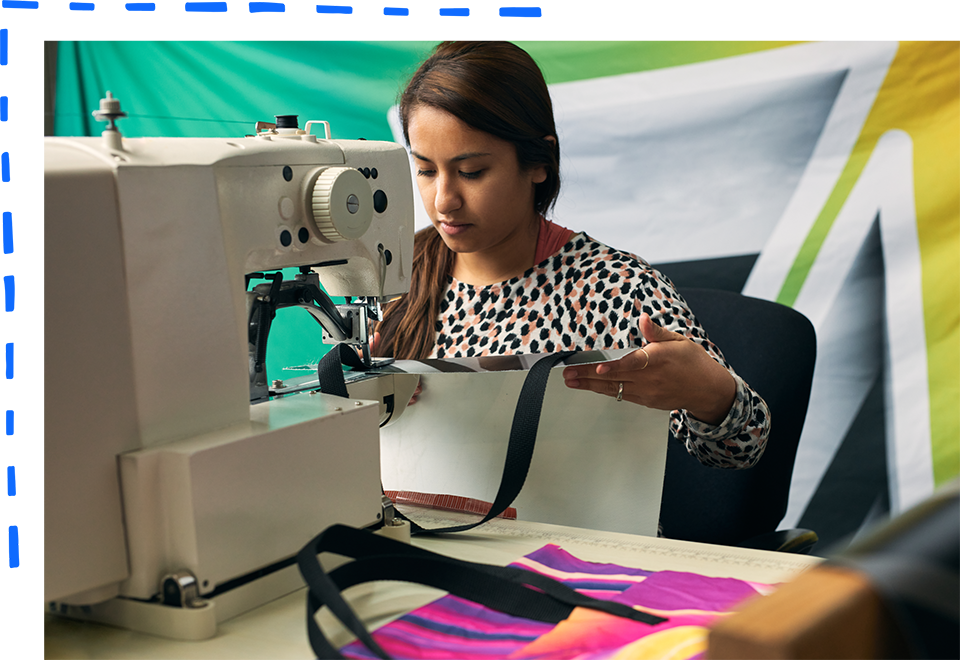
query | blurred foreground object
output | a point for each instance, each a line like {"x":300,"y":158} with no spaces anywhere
{"x":893,"y":594}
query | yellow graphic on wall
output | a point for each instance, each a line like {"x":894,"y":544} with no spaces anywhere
{"x":921,"y":97}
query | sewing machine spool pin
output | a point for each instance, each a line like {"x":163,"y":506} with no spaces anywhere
{"x":110,"y":112}
{"x":287,"y":126}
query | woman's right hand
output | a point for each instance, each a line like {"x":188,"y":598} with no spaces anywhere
{"x":416,"y":392}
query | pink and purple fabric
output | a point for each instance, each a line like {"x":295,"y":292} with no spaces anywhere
{"x":454,"y":628}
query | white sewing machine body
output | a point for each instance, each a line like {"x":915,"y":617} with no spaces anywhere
{"x":155,"y":459}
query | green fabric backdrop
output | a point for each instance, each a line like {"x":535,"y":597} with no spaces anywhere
{"x":221,"y":89}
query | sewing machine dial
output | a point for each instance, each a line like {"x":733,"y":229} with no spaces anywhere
{"x":342,"y":204}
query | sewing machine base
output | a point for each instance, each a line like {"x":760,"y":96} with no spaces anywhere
{"x":185,"y":623}
{"x":200,"y":621}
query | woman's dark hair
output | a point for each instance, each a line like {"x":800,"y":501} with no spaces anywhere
{"x":494,"y":87}
{"x":497,"y":88}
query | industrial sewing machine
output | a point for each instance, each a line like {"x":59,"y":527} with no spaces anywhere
{"x":179,"y":479}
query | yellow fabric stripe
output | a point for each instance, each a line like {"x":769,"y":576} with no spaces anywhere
{"x":928,"y":76}
{"x":921,"y":96}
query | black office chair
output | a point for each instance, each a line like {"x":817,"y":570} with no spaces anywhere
{"x":773,"y":348}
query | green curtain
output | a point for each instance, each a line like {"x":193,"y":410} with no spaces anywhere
{"x":195,"y":89}
{"x":221,"y":89}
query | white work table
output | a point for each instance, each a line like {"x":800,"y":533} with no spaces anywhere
{"x":278,"y":629}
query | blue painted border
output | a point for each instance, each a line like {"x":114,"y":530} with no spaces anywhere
{"x":17,"y":19}
{"x":16,"y":22}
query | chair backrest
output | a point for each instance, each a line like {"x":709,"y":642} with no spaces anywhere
{"x":773,"y":348}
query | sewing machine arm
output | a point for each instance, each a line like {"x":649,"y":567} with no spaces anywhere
{"x":304,"y":291}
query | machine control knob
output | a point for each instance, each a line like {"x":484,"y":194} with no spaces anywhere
{"x":342,"y":204}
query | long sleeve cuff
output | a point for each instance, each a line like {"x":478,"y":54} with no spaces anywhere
{"x":739,"y":416}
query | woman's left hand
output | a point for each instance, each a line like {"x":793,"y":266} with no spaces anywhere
{"x":668,"y":373}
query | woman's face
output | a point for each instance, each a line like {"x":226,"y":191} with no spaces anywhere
{"x":472,"y":186}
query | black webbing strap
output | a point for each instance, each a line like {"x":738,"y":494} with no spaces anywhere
{"x":514,"y":591}
{"x":523,"y":431}
{"x":330,"y":369}
{"x":523,"y":439}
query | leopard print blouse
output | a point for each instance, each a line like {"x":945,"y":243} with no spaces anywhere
{"x":590,"y":296}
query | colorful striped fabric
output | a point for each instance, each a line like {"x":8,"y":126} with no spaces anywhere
{"x":454,"y":628}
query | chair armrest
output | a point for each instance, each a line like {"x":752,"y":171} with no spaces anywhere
{"x":797,"y":541}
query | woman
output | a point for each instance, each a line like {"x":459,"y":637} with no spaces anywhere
{"x":492,"y":276}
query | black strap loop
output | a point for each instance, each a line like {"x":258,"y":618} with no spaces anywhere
{"x":523,"y":439}
{"x":507,"y":589}
{"x":511,"y":590}
{"x":523,"y":432}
